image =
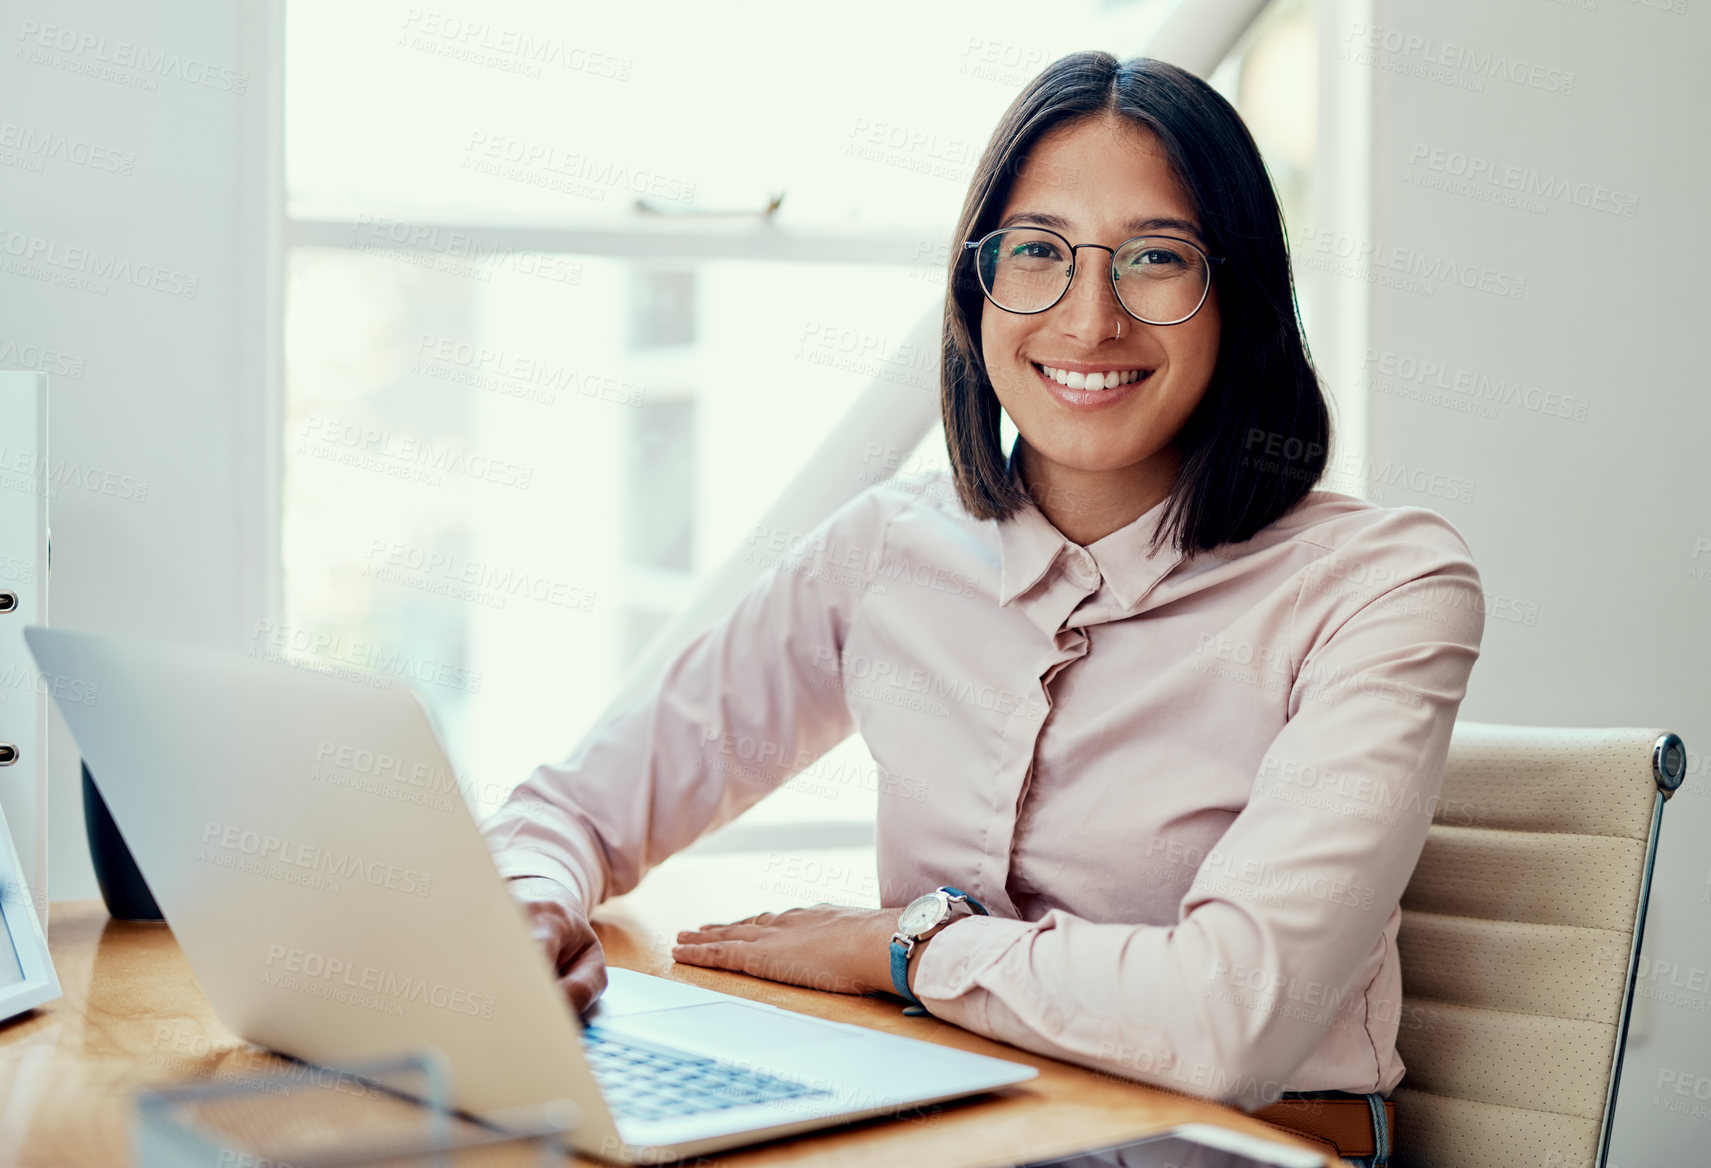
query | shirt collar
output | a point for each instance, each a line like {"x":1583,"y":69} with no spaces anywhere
{"x":1029,"y":547}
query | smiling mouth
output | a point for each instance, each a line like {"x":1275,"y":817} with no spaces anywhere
{"x":1095,"y":380}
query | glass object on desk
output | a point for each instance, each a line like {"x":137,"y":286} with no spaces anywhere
{"x":27,"y":977}
{"x":391,"y":1113}
{"x":11,"y":968}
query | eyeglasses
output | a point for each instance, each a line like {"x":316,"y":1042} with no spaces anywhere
{"x":1158,"y":279}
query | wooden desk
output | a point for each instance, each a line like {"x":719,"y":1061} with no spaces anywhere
{"x":132,"y":1016}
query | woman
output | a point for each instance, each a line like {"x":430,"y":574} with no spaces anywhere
{"x":1182,"y":720}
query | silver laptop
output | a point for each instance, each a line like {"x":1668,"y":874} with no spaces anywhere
{"x":310,"y":847}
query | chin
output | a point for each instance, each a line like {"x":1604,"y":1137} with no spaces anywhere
{"x":1093,"y":456}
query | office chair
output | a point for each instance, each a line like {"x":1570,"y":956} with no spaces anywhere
{"x":1520,"y":934}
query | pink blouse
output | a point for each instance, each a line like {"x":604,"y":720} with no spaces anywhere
{"x":1189,"y":789}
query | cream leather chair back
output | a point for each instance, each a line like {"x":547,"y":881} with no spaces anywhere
{"x":1520,"y":934}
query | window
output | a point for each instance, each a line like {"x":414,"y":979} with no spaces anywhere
{"x":546,"y":363}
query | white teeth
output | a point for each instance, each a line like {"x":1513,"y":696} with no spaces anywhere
{"x":1108,"y":379}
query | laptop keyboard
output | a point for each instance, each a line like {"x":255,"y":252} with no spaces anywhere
{"x":643,"y":1081}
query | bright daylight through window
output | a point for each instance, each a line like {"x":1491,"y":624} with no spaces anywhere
{"x":514,"y":444}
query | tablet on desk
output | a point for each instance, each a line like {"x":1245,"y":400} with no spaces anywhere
{"x":1193,"y":1145}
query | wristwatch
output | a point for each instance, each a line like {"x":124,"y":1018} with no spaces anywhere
{"x":924,"y":916}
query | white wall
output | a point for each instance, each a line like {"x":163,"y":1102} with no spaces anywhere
{"x":123,"y":134}
{"x":1585,"y":527}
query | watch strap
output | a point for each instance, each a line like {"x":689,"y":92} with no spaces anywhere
{"x":900,"y":977}
{"x":901,"y":951}
{"x":958,"y":894}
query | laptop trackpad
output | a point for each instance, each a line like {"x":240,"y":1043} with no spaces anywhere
{"x":724,"y":1027}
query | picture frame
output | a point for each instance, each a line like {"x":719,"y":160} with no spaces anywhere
{"x":27,"y":976}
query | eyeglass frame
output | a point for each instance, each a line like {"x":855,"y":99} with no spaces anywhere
{"x":1069,"y":283}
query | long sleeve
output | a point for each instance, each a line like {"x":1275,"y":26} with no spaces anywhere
{"x":745,"y":705}
{"x":1291,"y":913}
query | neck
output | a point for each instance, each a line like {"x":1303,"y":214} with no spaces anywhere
{"x":1089,"y":505}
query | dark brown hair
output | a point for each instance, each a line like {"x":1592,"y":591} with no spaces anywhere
{"x":1258,"y":440}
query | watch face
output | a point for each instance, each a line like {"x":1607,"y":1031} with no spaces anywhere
{"x":923,"y":913}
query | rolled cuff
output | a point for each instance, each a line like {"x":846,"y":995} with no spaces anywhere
{"x":950,"y":965}
{"x":978,"y":974}
{"x":518,"y":861}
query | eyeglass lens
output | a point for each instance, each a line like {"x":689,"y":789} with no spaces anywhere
{"x":1159,"y":279}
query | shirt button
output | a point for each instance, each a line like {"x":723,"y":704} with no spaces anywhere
{"x":1082,"y":570}
{"x":1054,"y":1020}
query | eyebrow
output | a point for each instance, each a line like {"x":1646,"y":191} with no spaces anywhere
{"x":1133,"y":226}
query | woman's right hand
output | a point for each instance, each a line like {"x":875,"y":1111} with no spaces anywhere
{"x":559,"y":925}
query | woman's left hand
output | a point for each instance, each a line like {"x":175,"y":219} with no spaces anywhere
{"x":826,"y":947}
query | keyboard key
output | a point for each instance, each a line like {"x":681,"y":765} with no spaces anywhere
{"x":651,"y":1082}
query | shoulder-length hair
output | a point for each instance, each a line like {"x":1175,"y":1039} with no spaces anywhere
{"x":1258,"y":440}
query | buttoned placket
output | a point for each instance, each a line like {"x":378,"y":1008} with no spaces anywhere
{"x":1049,"y":579}
{"x":1072,"y":577}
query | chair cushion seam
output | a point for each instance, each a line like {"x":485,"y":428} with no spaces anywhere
{"x":1426,"y":912}
{"x":1543,"y":831}
{"x":1501,"y":921}
{"x":1415,"y":999}
{"x":1403,"y":1086}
